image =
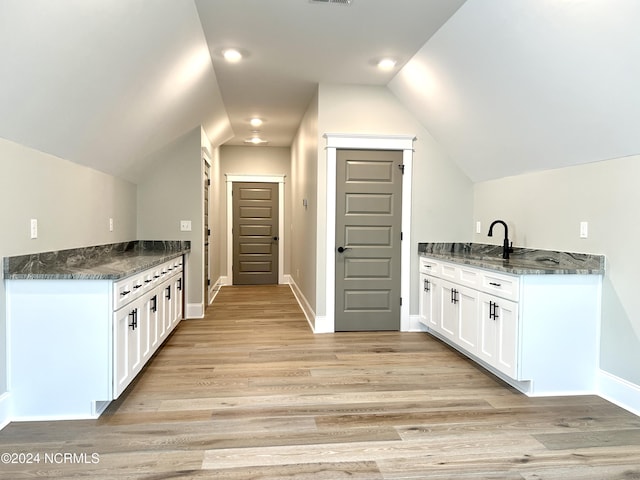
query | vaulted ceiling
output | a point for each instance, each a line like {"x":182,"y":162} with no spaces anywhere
{"x":504,"y":87}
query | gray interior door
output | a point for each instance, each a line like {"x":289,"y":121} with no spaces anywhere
{"x":368,"y":221}
{"x":255,"y":233}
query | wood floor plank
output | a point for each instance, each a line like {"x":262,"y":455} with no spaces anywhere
{"x":249,"y":392}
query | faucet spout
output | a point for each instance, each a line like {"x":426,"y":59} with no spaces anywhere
{"x":507,"y":247}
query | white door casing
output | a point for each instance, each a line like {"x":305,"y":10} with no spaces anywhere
{"x":337,"y":141}
{"x":228,"y":280}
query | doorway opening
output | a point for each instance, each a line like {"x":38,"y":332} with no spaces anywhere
{"x":326,"y":323}
{"x":232,"y":248}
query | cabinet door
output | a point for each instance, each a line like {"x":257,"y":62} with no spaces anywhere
{"x":168,"y":307}
{"x":147,"y":326}
{"x":153,"y":315}
{"x":467,"y":317}
{"x":429,"y":305}
{"x":448,"y":294}
{"x":178,"y":301}
{"x":498,"y":344}
{"x":488,"y":337}
{"x":507,"y":354}
{"x":126,"y":356}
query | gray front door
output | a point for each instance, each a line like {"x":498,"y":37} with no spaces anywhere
{"x":368,"y":221}
{"x":255,"y":233}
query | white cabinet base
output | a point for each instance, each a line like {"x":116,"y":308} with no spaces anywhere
{"x":539,"y":333}
{"x":62,"y":346}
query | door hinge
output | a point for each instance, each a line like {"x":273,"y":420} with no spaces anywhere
{"x":400,"y":301}
{"x":209,"y":232}
{"x":208,"y":182}
{"x":208,"y":281}
{"x":401,"y":167}
{"x":401,"y":236}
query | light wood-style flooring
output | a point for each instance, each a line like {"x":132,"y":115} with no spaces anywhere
{"x":250,"y":393}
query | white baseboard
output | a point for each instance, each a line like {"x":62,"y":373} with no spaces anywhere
{"x":618,"y":391}
{"x":224,"y":280}
{"x":214,"y":290}
{"x":304,"y":304}
{"x":5,"y":409}
{"x":324,"y":324}
{"x":415,"y":325}
{"x":194,"y":310}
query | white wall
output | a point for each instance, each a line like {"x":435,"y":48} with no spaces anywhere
{"x":170,"y":191}
{"x":304,"y":219}
{"x":544,"y":209}
{"x":72,"y":204}
{"x":442,"y":194}
{"x":254,"y":160}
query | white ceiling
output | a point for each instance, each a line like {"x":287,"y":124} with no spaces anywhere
{"x":292,"y":45}
{"x":504,"y":87}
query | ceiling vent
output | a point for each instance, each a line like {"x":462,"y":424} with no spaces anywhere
{"x":334,"y":2}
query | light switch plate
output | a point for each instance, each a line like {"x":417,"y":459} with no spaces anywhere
{"x":185,"y":225}
{"x":34,"y":228}
{"x":584,"y":229}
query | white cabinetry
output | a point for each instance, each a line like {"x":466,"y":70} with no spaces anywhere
{"x":498,"y":333}
{"x":141,"y":325}
{"x":537,"y":332}
{"x":75,"y":345}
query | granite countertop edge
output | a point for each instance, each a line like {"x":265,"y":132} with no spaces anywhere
{"x":101,"y":262}
{"x":523,"y":261}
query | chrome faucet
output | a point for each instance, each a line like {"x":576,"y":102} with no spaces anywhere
{"x":506,"y":247}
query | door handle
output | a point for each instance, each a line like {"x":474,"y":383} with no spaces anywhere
{"x":342,"y":249}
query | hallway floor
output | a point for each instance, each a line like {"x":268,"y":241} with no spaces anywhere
{"x":249,"y":392}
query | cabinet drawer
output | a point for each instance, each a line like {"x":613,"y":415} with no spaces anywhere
{"x":428,"y":266}
{"x":449,"y":271}
{"x":128,"y":289}
{"x":471,"y":277}
{"x":504,"y":286}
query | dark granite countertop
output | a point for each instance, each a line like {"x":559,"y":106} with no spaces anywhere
{"x":523,"y":261}
{"x":100,"y":262}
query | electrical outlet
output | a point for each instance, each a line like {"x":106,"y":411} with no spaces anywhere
{"x":584,"y":229}
{"x":34,"y":228}
{"x":478,"y":227}
{"x":185,"y":225}
{"x":111,"y":224}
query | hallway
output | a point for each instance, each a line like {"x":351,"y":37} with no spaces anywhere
{"x":249,"y":392}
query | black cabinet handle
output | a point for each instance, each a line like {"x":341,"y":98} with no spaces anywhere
{"x":427,"y":286}
{"x":148,"y":281}
{"x":156,"y":276}
{"x":495,"y":284}
{"x":134,"y":319}
{"x":180,"y":284}
{"x":126,"y":292}
{"x":493,"y":310}
{"x":137,"y":287}
{"x":154,"y":307}
{"x":454,"y":295}
{"x":168,"y":296}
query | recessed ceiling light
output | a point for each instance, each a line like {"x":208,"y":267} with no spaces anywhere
{"x":255,"y":141}
{"x":386,"y":64}
{"x":232,"y":55}
{"x":255,"y":122}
